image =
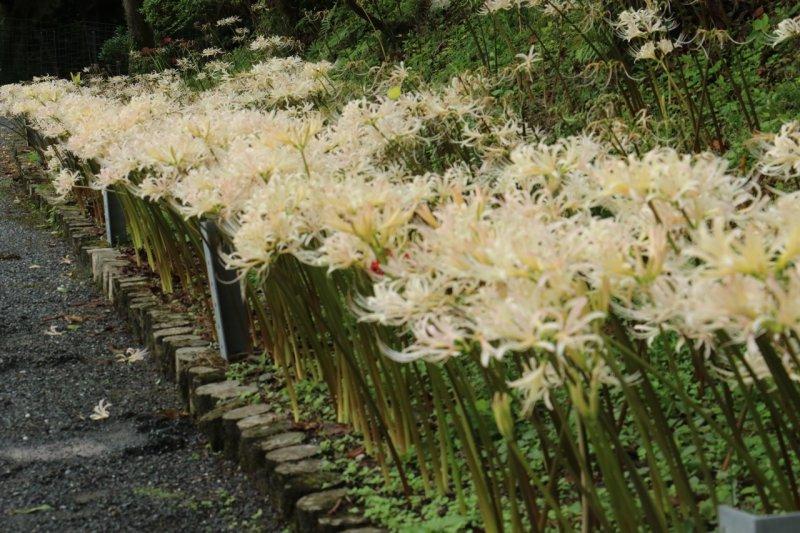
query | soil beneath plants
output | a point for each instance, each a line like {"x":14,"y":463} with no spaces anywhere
{"x":144,"y":468}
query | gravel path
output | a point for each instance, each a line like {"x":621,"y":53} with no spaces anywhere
{"x":142,"y":469}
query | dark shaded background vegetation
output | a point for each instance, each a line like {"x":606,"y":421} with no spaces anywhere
{"x":55,"y":37}
{"x":63,"y":11}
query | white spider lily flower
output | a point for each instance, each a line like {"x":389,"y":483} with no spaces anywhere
{"x":228,"y":21}
{"x":272,"y":43}
{"x":785,"y":30}
{"x":665,"y":46}
{"x":780,"y":153}
{"x":492,"y":6}
{"x":536,"y":382}
{"x":706,"y":38}
{"x":218,"y":67}
{"x":211,"y":52}
{"x":527,"y":61}
{"x":259,"y":43}
{"x":64,"y":181}
{"x":654,"y":50}
{"x":184,"y":64}
{"x":634,"y":23}
{"x":437,"y":338}
{"x":398,"y":301}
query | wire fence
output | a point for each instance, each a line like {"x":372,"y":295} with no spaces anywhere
{"x":29,"y":49}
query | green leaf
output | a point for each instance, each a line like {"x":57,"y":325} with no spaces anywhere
{"x":762,"y":24}
{"x":394,"y":92}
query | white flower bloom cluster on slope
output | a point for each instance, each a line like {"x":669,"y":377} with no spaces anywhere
{"x":785,"y":30}
{"x":473,"y":237}
{"x":780,"y":154}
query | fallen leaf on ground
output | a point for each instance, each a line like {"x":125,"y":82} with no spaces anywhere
{"x":35,"y":266}
{"x":95,"y":302}
{"x":66,"y":260}
{"x":132,"y":355}
{"x":172,"y":414}
{"x":305,"y":425}
{"x":336,"y":429}
{"x":53,"y":331}
{"x":100,"y":411}
{"x":352,"y":454}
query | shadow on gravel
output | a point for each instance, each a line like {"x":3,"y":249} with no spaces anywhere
{"x":162,"y":434}
{"x":143,"y":435}
{"x":110,"y":441}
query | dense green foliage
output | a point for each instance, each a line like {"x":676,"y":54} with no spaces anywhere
{"x":177,"y":17}
{"x":116,"y":50}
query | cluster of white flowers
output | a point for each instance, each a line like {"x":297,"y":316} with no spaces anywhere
{"x":491,"y":6}
{"x":642,"y":23}
{"x":650,"y":26}
{"x":780,"y":153}
{"x":211,"y":52}
{"x":508,"y":247}
{"x":228,"y":21}
{"x":550,"y":7}
{"x":240,"y":34}
{"x":787,"y":29}
{"x":64,"y":181}
{"x":654,"y":49}
{"x":273,"y":43}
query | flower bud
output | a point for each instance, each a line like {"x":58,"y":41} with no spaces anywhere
{"x":501,"y":408}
